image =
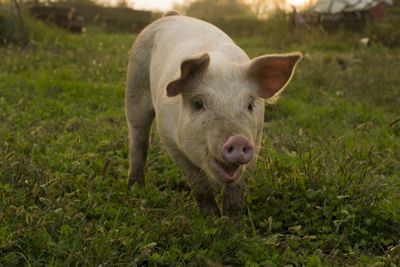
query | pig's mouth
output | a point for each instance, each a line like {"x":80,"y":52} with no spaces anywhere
{"x":228,"y":172}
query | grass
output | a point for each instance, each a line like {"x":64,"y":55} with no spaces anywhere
{"x":326,"y":191}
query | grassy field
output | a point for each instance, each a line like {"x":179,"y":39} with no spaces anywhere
{"x":326,"y":191}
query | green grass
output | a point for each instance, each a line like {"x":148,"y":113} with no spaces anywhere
{"x":326,"y":191}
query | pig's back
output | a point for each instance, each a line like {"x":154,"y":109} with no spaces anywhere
{"x":176,"y":29}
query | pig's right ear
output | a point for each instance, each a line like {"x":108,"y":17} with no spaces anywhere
{"x":189,"y":69}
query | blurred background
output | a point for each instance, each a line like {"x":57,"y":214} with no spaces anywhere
{"x":237,"y":17}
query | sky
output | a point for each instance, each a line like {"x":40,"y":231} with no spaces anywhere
{"x":154,"y":4}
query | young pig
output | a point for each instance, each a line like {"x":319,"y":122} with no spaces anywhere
{"x":207,"y":98}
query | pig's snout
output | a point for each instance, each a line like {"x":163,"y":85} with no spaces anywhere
{"x":237,"y":150}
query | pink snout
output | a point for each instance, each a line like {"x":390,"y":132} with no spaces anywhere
{"x":237,"y":150}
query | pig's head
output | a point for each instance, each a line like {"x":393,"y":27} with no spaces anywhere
{"x":221,"y":119}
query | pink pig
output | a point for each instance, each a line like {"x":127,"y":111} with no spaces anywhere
{"x":207,"y":98}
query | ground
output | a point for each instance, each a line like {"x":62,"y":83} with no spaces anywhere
{"x":326,"y":191}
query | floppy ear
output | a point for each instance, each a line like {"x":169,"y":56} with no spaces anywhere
{"x":189,"y":68}
{"x":273,"y":72}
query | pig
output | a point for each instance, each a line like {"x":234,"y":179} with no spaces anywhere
{"x":207,"y":98}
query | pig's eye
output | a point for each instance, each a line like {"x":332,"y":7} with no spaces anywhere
{"x":197,"y":104}
{"x":250,"y":107}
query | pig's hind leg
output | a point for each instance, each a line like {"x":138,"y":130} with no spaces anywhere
{"x":139,"y":110}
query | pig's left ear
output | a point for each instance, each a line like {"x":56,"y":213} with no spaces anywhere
{"x":189,"y":68}
{"x":273,"y":72}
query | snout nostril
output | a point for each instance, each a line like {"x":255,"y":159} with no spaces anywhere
{"x":247,"y":150}
{"x":237,"y":150}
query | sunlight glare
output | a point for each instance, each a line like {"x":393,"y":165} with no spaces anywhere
{"x":154,"y":4}
{"x":297,"y":2}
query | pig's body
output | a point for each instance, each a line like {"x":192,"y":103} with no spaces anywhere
{"x":201,"y":89}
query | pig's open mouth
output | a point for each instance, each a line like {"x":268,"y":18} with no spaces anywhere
{"x":229,"y":172}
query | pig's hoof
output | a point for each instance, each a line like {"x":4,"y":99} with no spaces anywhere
{"x":135,"y":179}
{"x":210,"y":210}
{"x":237,"y":222}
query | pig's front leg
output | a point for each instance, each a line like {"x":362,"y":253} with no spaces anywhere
{"x":233,"y":200}
{"x":138,"y":146}
{"x":204,"y":194}
{"x":198,"y":181}
{"x":140,"y":115}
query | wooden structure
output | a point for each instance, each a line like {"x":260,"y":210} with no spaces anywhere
{"x":333,"y":14}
